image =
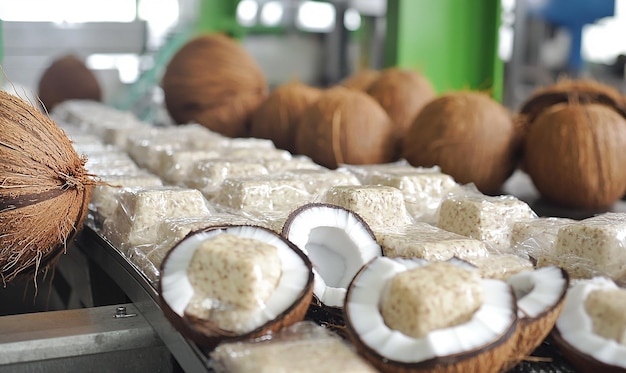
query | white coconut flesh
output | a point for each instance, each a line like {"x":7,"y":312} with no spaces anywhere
{"x":538,"y":291}
{"x":489,"y":324}
{"x":338,"y":244}
{"x":177,"y":291}
{"x":576,"y":326}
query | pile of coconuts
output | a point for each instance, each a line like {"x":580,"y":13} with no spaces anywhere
{"x":44,"y":190}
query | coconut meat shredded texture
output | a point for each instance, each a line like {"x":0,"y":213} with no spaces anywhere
{"x":490,"y":322}
{"x":576,"y":327}
{"x":177,"y":291}
{"x":338,"y":245}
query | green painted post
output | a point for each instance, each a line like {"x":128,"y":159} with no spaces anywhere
{"x":219,"y":16}
{"x":453,"y":42}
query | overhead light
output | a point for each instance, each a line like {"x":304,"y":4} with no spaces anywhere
{"x":247,"y":11}
{"x":316,"y":16}
{"x":352,"y":19}
{"x":272,"y":13}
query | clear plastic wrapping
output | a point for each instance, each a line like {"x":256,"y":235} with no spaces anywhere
{"x":425,"y":241}
{"x":379,"y":206}
{"x":319,"y":180}
{"x":298,"y":162}
{"x":209,"y":174}
{"x":501,"y":266}
{"x":262,"y":193}
{"x":139,"y":211}
{"x":103,"y":196}
{"x":486,"y":218}
{"x":536,"y":237}
{"x":591,"y":247}
{"x":303,"y":347}
{"x":175,"y":164}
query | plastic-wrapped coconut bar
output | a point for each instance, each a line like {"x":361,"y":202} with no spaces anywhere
{"x":262,"y":193}
{"x":423,"y":189}
{"x":209,"y":174}
{"x":536,"y":237}
{"x":378,"y":205}
{"x":501,"y":266}
{"x":104,"y":195}
{"x":593,"y":246}
{"x":175,"y":164}
{"x":140,"y":210}
{"x":318,"y":181}
{"x":365,"y":172}
{"x":486,"y":218}
{"x":278,"y":165}
{"x":425,"y":241}
{"x":303,"y":347}
{"x":115,"y":162}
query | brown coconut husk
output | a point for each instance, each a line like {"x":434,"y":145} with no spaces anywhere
{"x":469,"y":135}
{"x":346,"y":126}
{"x":65,"y":79}
{"x":44,"y":189}
{"x":575,"y":155}
{"x":213,"y":81}
{"x":402,"y":93}
{"x":582,"y":91}
{"x":361,"y":80}
{"x":277,"y":117}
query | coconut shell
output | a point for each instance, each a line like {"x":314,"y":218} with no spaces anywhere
{"x":575,"y":155}
{"x":582,"y":362}
{"x":277,"y":117}
{"x":402,"y":93}
{"x":469,"y":135}
{"x":213,"y":81}
{"x":67,"y":78}
{"x":572,"y":91}
{"x":346,"y":126}
{"x":44,"y":189}
{"x":361,"y":80}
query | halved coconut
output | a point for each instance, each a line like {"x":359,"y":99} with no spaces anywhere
{"x":234,"y":282}
{"x":579,"y":333}
{"x":479,"y":342}
{"x":540,"y":296}
{"x":338,"y":242}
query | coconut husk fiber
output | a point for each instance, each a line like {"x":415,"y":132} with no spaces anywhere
{"x":67,"y":78}
{"x":44,"y":189}
{"x":469,"y":135}
{"x":346,"y":126}
{"x":212,"y":80}
{"x":402,"y":93}
{"x":277,"y":117}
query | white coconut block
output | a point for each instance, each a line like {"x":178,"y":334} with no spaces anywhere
{"x":378,"y":205}
{"x":423,"y":189}
{"x":425,"y":241}
{"x":139,"y":211}
{"x":262,"y":193}
{"x":104,"y":195}
{"x":297,"y":348}
{"x":594,"y":246}
{"x":486,"y":218}
{"x":208,"y":175}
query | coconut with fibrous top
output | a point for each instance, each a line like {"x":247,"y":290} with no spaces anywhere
{"x":402,"y":93}
{"x":277,"y":117}
{"x":575,"y":134}
{"x":67,"y":78}
{"x":346,"y":126}
{"x":44,"y":189}
{"x":360,"y":80}
{"x":469,"y":135}
{"x":213,"y":81}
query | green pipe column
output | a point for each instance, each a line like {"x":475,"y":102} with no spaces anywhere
{"x":219,"y":16}
{"x":452,"y":42}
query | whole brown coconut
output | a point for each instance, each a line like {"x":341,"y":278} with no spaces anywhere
{"x":575,"y":155}
{"x":44,"y":189}
{"x":469,"y":135}
{"x":277,"y":117}
{"x":65,"y":79}
{"x":213,"y":81}
{"x":346,"y":126}
{"x":402,"y":93}
{"x":361,"y":80}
